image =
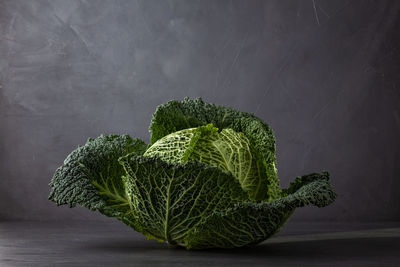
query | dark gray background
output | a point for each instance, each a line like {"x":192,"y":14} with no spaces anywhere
{"x":323,"y":74}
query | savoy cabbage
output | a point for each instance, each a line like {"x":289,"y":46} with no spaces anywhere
{"x":207,"y":178}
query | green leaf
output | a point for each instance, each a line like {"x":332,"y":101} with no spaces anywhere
{"x":190,"y":113}
{"x":249,"y":223}
{"x":228,"y":150}
{"x":91,"y":176}
{"x":170,"y":199}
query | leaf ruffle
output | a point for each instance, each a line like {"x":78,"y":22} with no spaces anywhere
{"x":91,"y":176}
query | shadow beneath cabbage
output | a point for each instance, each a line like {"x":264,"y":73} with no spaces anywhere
{"x":365,"y":245}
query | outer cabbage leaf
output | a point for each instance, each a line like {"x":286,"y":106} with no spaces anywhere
{"x":190,"y":113}
{"x":229,"y":150}
{"x":249,"y":223}
{"x":91,"y":176}
{"x":170,"y":199}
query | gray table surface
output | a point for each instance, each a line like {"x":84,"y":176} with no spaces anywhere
{"x":88,"y":243}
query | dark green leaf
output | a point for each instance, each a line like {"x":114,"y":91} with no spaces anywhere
{"x":92,"y":177}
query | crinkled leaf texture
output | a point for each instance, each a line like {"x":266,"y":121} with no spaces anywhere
{"x":190,"y":113}
{"x":169,"y":199}
{"x":199,"y":206}
{"x":229,"y":150}
{"x":249,"y":223}
{"x":186,"y":202}
{"x":91,"y":176}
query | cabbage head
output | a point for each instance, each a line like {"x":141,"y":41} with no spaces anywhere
{"x":207,"y":179}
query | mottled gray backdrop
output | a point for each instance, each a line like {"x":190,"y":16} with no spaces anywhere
{"x":323,"y":74}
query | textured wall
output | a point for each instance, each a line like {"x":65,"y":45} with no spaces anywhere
{"x":324,"y":74}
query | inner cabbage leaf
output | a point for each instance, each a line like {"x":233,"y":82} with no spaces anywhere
{"x":178,"y":115}
{"x":226,"y":149}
